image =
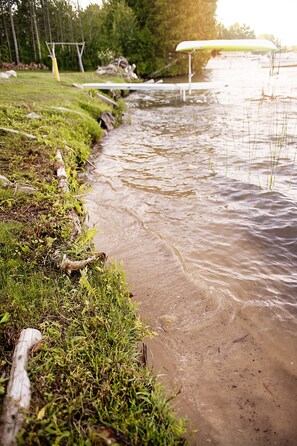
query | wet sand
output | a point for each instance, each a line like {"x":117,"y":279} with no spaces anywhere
{"x":234,"y":387}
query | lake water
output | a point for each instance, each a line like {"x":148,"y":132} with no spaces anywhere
{"x":199,"y":199}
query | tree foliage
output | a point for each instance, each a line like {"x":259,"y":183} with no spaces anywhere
{"x":145,"y":32}
{"x":235,"y":31}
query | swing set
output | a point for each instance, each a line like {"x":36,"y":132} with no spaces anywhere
{"x":80,"y":46}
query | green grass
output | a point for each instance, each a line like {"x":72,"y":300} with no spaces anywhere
{"x":88,"y":385}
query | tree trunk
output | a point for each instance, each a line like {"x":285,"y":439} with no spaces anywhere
{"x":36,"y":30}
{"x":32,"y":30}
{"x":80,"y":23}
{"x":15,"y":41}
{"x":6,"y":34}
{"x":48,"y":21}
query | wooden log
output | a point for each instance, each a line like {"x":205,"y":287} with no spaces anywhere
{"x":17,"y":399}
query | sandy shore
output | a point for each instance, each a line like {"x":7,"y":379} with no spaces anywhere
{"x":234,"y":388}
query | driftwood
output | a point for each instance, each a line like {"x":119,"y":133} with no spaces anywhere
{"x":23,"y":188}
{"x":68,"y":266}
{"x":118,"y":67}
{"x":77,"y":86}
{"x":18,"y":395}
{"x":18,"y":132}
{"x":106,"y":100}
{"x":61,"y":173}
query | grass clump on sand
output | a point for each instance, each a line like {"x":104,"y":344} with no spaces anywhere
{"x":88,"y":386}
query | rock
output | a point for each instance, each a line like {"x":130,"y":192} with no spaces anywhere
{"x":33,"y":115}
{"x":107,"y":121}
{"x":11,"y":73}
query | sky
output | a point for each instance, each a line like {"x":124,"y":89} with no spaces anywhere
{"x":277,"y":17}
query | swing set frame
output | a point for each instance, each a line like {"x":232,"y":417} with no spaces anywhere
{"x":80,"y":46}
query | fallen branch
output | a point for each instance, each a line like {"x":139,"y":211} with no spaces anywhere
{"x":18,"y":395}
{"x":18,"y":132}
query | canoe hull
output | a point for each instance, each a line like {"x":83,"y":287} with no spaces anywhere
{"x":260,"y":45}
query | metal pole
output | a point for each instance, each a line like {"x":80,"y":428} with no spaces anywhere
{"x":55,"y":65}
{"x":190,"y":72}
{"x":79,"y":55}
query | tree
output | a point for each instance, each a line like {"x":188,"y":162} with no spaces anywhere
{"x":5,"y":47}
{"x":167,"y":22}
{"x":15,"y":40}
{"x":119,"y":28}
{"x":146,"y":32}
{"x":33,"y":7}
{"x":235,"y":31}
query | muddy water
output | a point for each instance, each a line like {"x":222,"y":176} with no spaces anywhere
{"x":199,"y":200}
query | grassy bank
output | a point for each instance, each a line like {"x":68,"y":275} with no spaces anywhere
{"x":88,"y":384}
